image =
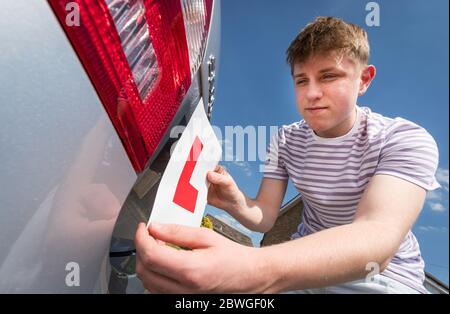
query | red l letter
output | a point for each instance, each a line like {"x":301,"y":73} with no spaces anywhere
{"x":185,"y":194}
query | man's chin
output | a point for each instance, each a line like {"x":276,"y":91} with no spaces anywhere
{"x":322,"y":131}
{"x":317,"y":126}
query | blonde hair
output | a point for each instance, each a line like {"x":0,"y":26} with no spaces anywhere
{"x":326,"y":35}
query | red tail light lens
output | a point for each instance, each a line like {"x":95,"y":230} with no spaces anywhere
{"x":141,"y":56}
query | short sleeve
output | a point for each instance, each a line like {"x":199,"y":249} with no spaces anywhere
{"x":410,"y":153}
{"x":274,"y":167}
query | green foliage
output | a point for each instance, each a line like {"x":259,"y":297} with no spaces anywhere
{"x":174,"y":246}
{"x":207,"y":223}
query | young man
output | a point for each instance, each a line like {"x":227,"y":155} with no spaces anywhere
{"x":362,"y":177}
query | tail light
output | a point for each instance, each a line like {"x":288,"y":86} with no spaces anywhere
{"x":141,"y":56}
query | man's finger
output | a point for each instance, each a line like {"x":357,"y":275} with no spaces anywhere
{"x":142,"y":239}
{"x":217,"y":178}
{"x":156,"y":283}
{"x":220,"y":169}
{"x":191,"y":237}
{"x":157,"y":257}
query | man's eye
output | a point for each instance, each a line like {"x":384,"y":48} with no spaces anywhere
{"x":300,"y":82}
{"x":329,"y":76}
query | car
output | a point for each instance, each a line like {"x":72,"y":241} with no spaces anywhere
{"x":91,"y":90}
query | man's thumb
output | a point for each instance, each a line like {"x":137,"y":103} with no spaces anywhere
{"x":184,"y":236}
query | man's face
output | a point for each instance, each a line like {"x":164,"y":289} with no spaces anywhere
{"x":326,"y":89}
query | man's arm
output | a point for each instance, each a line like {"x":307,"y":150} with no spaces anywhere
{"x":258,"y":214}
{"x":386,"y":212}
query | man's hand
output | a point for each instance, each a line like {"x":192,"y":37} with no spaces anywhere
{"x":214,"y":265}
{"x":255,"y":214}
{"x":223,"y":192}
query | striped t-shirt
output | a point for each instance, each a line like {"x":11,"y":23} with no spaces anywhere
{"x":332,"y":173}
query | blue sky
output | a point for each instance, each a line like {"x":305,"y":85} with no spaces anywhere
{"x":410,"y":51}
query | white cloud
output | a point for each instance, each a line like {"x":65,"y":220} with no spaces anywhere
{"x":232,"y":159}
{"x":233,"y":223}
{"x":442,"y":177}
{"x":245,"y":166}
{"x":437,"y":200}
{"x":429,"y":228}
{"x":437,"y":207}
{"x":434,"y":196}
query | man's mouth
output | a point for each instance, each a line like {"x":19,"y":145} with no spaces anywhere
{"x":316,"y":109}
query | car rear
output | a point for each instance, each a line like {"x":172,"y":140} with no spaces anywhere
{"x":87,"y":110}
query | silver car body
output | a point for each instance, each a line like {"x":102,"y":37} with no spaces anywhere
{"x":64,"y":173}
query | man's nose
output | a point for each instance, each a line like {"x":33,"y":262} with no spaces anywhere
{"x":313,"y":91}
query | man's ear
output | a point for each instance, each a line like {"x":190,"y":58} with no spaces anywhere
{"x":367,"y":75}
